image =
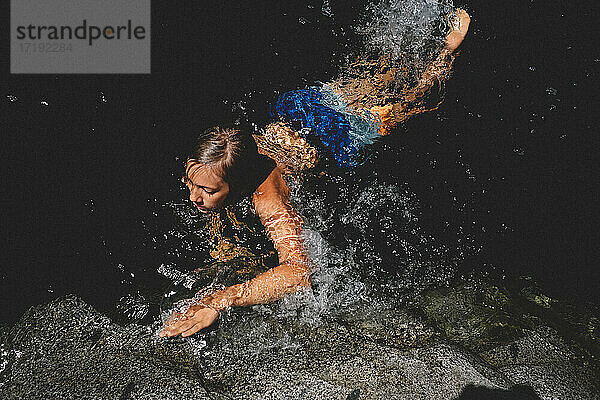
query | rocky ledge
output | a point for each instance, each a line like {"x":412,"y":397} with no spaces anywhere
{"x":469,"y":342}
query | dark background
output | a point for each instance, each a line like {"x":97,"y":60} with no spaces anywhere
{"x":520,"y":114}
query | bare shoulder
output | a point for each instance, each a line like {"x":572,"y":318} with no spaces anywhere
{"x":272,"y":194}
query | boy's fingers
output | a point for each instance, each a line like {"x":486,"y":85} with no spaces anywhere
{"x":182,"y":326}
{"x":172,"y":324}
{"x":194,"y":329}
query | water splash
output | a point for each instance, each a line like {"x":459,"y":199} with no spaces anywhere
{"x":326,"y":9}
{"x":407,"y":31}
{"x":134,"y":306}
{"x":379,"y":227}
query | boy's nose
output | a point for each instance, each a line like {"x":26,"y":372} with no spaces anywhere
{"x":195,"y":196}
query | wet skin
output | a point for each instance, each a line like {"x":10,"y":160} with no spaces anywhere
{"x":271,"y":202}
{"x":208,"y":190}
{"x":460,"y":26}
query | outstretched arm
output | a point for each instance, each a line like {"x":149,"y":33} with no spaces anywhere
{"x":436,"y":72}
{"x":283,"y":226}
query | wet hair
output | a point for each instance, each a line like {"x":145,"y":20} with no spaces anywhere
{"x":230,"y":153}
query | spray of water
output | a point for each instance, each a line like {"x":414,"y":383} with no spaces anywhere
{"x":408,"y":32}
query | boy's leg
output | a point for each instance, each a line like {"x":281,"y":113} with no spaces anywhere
{"x":373,"y":86}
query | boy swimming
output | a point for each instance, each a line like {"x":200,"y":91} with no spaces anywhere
{"x":227,"y":165}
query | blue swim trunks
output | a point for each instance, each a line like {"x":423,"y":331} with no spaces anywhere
{"x":343,"y":131}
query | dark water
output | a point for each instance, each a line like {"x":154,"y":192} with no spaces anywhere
{"x":505,"y":171}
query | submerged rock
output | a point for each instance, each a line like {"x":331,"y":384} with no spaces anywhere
{"x":67,"y":350}
{"x":477,"y":315}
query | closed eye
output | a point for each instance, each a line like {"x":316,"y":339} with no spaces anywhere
{"x":191,"y":184}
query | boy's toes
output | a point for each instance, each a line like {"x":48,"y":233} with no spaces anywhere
{"x":459,"y":22}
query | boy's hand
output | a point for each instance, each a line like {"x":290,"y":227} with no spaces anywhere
{"x":197,"y":317}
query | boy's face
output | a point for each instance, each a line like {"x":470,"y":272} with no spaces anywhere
{"x":208,"y":190}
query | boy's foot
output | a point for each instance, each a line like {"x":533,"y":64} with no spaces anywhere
{"x":459,"y":21}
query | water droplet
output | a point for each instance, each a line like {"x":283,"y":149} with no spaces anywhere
{"x":326,"y":9}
